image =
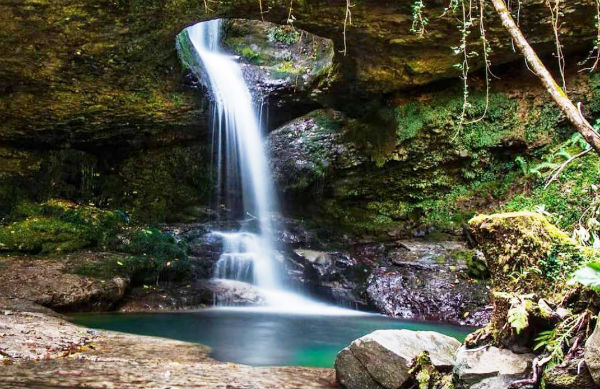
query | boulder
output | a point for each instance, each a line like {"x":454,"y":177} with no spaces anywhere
{"x":569,"y":375}
{"x":473,"y":366}
{"x":52,"y":282}
{"x":429,"y":281}
{"x":382,"y":359}
{"x":334,"y":276}
{"x":592,"y":354}
{"x":304,"y":150}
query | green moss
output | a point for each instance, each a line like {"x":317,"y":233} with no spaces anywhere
{"x":154,"y":256}
{"x":526,"y":253}
{"x":568,"y":197}
{"x":283,"y":34}
{"x":57,"y":226}
{"x":250,"y":55}
{"x":287,"y":67}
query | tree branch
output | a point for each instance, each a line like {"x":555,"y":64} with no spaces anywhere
{"x":536,"y":65}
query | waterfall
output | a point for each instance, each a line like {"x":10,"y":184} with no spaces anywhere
{"x":249,"y":254}
{"x":241,"y":163}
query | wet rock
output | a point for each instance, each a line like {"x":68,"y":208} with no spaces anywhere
{"x":334,"y":276}
{"x":279,"y":60}
{"x":429,"y":280}
{"x":280,"y":63}
{"x":382,"y":358}
{"x":230,"y":292}
{"x":166,"y":298}
{"x":475,"y":365}
{"x":306,"y":149}
{"x":198,"y":293}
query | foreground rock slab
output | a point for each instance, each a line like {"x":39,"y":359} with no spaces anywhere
{"x":50,"y":281}
{"x":103,"y":359}
{"x":382,"y":358}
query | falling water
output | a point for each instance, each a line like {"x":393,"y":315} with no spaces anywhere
{"x":241,"y":159}
{"x":242,"y":167}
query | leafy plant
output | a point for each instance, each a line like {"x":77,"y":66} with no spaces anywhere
{"x":588,"y":275}
{"x":518,"y":315}
{"x":283,"y":34}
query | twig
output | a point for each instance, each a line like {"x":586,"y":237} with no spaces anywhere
{"x":558,"y":170}
{"x":538,"y":365}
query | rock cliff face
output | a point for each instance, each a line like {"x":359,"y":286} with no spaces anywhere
{"x":92,"y":90}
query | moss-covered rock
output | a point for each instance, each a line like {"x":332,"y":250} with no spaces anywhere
{"x":307,"y":150}
{"x":60,"y":226}
{"x":57,"y":226}
{"x":531,"y":262}
{"x":527,"y":254}
{"x":418,"y":166}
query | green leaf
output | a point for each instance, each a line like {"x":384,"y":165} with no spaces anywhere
{"x":518,"y":317}
{"x":588,"y":275}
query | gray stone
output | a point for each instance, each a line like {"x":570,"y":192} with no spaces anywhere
{"x":384,"y":357}
{"x":476,"y":365}
{"x":351,"y":373}
{"x":592,"y":354}
{"x":499,"y":382}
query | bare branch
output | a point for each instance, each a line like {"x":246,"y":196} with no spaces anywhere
{"x":559,"y":169}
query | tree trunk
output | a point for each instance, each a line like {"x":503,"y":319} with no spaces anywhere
{"x":559,"y":96}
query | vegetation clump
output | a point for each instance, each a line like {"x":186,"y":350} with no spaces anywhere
{"x":427,"y":376}
{"x":541,"y":300}
{"x":60,"y":226}
{"x":152,"y":256}
{"x":286,"y":34}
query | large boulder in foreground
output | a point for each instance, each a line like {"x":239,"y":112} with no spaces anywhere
{"x":382,"y":359}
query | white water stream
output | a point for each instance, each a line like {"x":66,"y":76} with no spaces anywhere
{"x":241,"y":161}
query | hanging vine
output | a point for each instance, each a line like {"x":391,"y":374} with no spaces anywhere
{"x":419,"y":21}
{"x":347,"y":21}
{"x":595,"y":52}
{"x":555,"y":14}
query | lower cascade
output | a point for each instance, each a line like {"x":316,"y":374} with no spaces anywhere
{"x":248,"y":255}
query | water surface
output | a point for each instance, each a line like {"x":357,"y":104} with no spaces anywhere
{"x":260,"y":338}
